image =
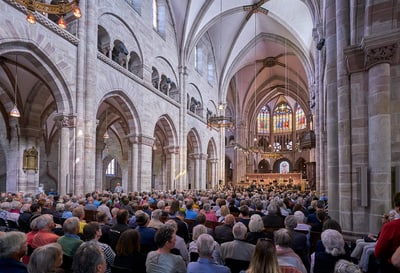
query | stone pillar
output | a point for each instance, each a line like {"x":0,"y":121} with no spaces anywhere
{"x":144,"y":170}
{"x":133,"y":181}
{"x":14,"y":156}
{"x":332,"y":111}
{"x":171,"y":153}
{"x":379,"y":146}
{"x":90,"y":78}
{"x":202,"y":179}
{"x":100,"y":184}
{"x":182,"y":168}
{"x":214,"y":173}
{"x":65,"y":124}
{"x":344,"y":130}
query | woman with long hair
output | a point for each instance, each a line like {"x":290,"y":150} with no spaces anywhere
{"x":128,"y":253}
{"x":264,"y":259}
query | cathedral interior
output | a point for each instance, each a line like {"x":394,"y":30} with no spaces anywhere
{"x":173,"y":94}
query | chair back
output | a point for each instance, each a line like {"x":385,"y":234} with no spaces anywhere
{"x":236,"y":265}
{"x":194,"y":256}
{"x":90,"y":215}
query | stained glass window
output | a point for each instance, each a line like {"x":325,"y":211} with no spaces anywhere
{"x":300,"y":118}
{"x":263,"y":120}
{"x":282,"y":118}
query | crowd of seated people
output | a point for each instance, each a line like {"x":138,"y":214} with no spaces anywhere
{"x":159,"y":231}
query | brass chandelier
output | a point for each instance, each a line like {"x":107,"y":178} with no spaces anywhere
{"x":62,"y":8}
{"x":220,"y":121}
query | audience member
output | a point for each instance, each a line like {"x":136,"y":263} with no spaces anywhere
{"x":46,"y":259}
{"x":162,"y":260}
{"x":128,"y":254}
{"x":92,"y":232}
{"x":119,"y":227}
{"x":197,"y":231}
{"x":256,"y":227}
{"x":237,"y":249}
{"x":264,"y":259}
{"x":155,"y":221}
{"x":286,"y":256}
{"x":344,"y":266}
{"x":205,"y":245}
{"x":89,"y":259}
{"x":70,"y":241}
{"x":12,"y":249}
{"x":44,"y":236}
{"x":334,"y":250}
{"x":274,"y":218}
{"x":180,"y":244}
{"x":146,"y":233}
{"x":389,"y":240}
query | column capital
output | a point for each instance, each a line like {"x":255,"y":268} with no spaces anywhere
{"x":171,"y":149}
{"x":146,"y":140}
{"x":373,"y":50}
{"x":66,"y":121}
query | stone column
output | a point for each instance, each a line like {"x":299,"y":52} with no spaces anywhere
{"x":332,"y":111}
{"x":144,"y":170}
{"x":171,"y":153}
{"x":14,"y":156}
{"x":214,"y":173}
{"x":100,"y":184}
{"x":65,"y":124}
{"x":182,"y":168}
{"x":133,"y":183}
{"x":343,"y":102}
{"x":379,"y":146}
{"x":202,"y":179}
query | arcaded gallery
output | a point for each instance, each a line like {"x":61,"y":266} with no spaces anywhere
{"x":204,"y":95}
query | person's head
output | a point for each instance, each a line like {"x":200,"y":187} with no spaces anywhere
{"x":91,"y":230}
{"x":264,"y":257}
{"x":344,"y":266}
{"x":142,"y":218}
{"x":201,"y":218}
{"x":333,"y":242}
{"x":128,"y":243}
{"x":89,"y":258}
{"x":290,"y":222}
{"x":101,"y":217}
{"x":122,"y":216}
{"x":244,"y":211}
{"x":165,"y":237}
{"x":300,"y":217}
{"x":283,"y":237}
{"x":79,"y":212}
{"x":229,"y":220}
{"x":156,"y":214}
{"x":331,"y":224}
{"x":45,"y":258}
{"x":239,"y":231}
{"x":198,"y":230}
{"x":71,"y":225}
{"x":189,"y":204}
{"x":205,"y":245}
{"x":13,"y":245}
{"x":207,"y":207}
{"x":45,"y":222}
{"x":224,"y":210}
{"x":256,"y":223}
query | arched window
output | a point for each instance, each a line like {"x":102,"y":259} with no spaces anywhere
{"x":159,"y":17}
{"x":199,"y":58}
{"x":210,"y":69}
{"x":136,"y":5}
{"x":282,"y":118}
{"x":263,"y":120}
{"x":284,"y":167}
{"x":111,"y":168}
{"x":300,"y":118}
{"x":155,"y":14}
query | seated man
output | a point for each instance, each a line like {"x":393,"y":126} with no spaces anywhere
{"x":89,"y":258}
{"x":12,"y":249}
{"x":205,"y":263}
{"x":224,"y":233}
{"x":237,"y":249}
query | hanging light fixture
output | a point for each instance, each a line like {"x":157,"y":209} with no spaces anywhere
{"x":62,"y":8}
{"x":106,"y":135}
{"x":14,"y":111}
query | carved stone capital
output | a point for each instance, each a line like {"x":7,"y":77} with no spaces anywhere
{"x":146,"y":140}
{"x":67,"y":121}
{"x":171,"y":149}
{"x":381,"y":54}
